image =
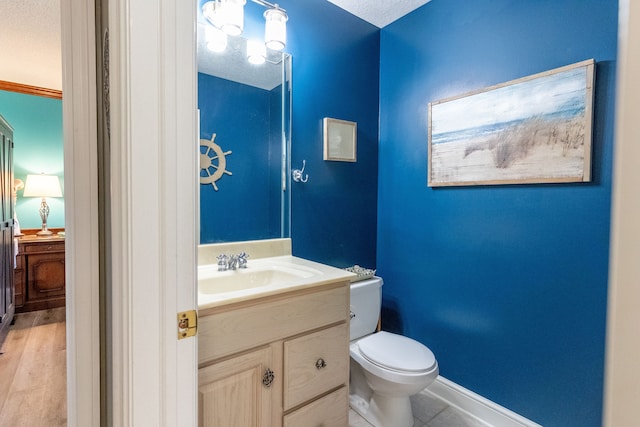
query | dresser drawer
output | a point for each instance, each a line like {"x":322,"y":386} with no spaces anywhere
{"x":44,"y":247}
{"x":331,"y":410}
{"x":314,"y":364}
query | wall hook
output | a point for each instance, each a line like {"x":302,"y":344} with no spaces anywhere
{"x":297,"y":173}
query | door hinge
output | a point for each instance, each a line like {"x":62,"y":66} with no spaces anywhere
{"x":187,"y":324}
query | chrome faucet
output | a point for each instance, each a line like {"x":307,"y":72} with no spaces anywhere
{"x":232,"y":262}
{"x":242,"y":259}
{"x":223,"y":262}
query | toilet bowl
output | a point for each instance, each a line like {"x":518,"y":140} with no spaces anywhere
{"x":386,"y":368}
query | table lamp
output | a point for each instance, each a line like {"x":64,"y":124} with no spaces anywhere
{"x":43,"y":186}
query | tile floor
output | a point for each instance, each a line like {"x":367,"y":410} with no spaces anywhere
{"x":428,"y":411}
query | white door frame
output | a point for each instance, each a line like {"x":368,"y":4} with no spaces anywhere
{"x":81,"y":213}
{"x":153,"y":199}
{"x":622,"y":388}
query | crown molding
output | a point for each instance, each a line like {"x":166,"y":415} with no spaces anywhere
{"x":30,"y":90}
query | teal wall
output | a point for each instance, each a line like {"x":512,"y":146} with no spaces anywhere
{"x":37,"y":124}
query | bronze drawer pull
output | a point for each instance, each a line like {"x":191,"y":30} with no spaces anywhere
{"x":320,"y":363}
{"x":268,"y":377}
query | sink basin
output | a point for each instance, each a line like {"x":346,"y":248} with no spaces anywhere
{"x":262,"y":277}
{"x":229,"y":281}
{"x":263,"y":273}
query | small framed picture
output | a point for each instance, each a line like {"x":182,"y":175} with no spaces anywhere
{"x":339,"y":140}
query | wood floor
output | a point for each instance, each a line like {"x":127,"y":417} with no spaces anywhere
{"x":33,"y":371}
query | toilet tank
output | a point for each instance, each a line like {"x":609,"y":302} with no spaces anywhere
{"x":366,"y":301}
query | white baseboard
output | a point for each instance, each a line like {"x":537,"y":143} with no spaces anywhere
{"x":475,"y":405}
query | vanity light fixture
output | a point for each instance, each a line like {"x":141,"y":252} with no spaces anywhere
{"x":256,"y":52}
{"x":216,"y":39}
{"x":228,"y":16}
{"x":213,"y":12}
{"x":275,"y":29}
{"x":42,"y":186}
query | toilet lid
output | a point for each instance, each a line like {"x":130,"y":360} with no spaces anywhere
{"x":396,"y":352}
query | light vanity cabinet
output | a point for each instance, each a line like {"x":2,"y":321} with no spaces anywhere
{"x":231,"y":393}
{"x":280,"y":360}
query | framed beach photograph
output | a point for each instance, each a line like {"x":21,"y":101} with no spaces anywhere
{"x":536,"y":129}
{"x":339,"y":140}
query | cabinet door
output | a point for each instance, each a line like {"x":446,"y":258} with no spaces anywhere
{"x":45,"y":276}
{"x":232,"y":393}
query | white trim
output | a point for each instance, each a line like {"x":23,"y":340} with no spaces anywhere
{"x":81,"y":213}
{"x":475,"y":405}
{"x":622,"y":374}
{"x":153,"y":196}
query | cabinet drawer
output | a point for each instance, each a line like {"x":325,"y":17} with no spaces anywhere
{"x":44,"y":247}
{"x":228,"y":332}
{"x":314,"y":364}
{"x":330,"y":411}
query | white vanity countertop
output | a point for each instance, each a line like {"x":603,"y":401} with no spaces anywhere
{"x":262,"y":277}
{"x":207,"y":253}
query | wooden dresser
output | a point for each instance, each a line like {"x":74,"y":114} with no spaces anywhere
{"x":39,"y":274}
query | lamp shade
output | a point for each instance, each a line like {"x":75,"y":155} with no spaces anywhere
{"x":42,"y":186}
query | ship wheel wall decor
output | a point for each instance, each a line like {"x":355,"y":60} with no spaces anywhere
{"x":213,"y":162}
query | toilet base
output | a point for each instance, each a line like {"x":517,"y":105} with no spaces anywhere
{"x":384,"y":411}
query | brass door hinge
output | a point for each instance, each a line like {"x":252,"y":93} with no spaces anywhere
{"x":187,"y":324}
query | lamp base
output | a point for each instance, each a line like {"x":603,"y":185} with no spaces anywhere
{"x":44,"y":233}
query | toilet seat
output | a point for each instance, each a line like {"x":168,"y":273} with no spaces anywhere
{"x":396,"y":353}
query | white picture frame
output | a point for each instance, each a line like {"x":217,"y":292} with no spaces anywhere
{"x":339,"y":140}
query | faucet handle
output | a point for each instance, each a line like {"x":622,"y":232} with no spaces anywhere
{"x":242,"y":259}
{"x":223,"y":262}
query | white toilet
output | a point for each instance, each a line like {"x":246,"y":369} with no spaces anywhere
{"x":386,"y":368}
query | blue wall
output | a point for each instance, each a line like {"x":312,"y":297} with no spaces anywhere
{"x":335,"y":74}
{"x":240,"y":117}
{"x":335,"y":62}
{"x":37,"y":124}
{"x":506,"y":284}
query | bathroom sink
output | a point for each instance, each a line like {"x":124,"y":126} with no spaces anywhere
{"x":247,"y":278}
{"x":264,"y":276}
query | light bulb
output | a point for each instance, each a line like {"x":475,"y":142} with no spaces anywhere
{"x":256,"y":52}
{"x":232,"y":16}
{"x":275,"y":30}
{"x":216,"y":39}
{"x":212,"y":11}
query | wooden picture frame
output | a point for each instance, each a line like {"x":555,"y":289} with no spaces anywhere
{"x":536,"y":129}
{"x":339,"y":140}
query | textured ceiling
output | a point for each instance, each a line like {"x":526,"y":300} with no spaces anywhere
{"x":30,"y":35}
{"x":379,"y":12}
{"x":232,"y":64}
{"x":30,"y":42}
